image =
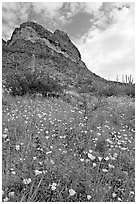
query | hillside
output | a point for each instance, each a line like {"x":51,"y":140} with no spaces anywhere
{"x":32,"y":47}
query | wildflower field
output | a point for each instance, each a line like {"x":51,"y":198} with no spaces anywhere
{"x":56,"y":152}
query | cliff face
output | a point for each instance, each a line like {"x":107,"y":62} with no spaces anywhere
{"x":54,"y":53}
{"x":35,"y":34}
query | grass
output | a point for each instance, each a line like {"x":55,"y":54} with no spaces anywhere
{"x":53,"y":151}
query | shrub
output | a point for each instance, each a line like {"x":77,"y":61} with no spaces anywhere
{"x":116,"y":90}
{"x":130,"y":90}
{"x":105,"y":91}
{"x":33,"y":83}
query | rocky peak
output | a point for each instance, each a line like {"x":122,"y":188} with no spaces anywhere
{"x":61,"y":36}
{"x":66,"y":43}
{"x":3,"y":42}
{"x":57,"y":41}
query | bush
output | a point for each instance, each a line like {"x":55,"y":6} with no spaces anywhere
{"x":130,"y":90}
{"x":117,"y":90}
{"x":33,"y":83}
{"x":105,"y":91}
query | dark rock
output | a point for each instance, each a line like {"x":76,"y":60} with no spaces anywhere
{"x":3,"y":42}
{"x":58,"y":41}
{"x":66,"y":44}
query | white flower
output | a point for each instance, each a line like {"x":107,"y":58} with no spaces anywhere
{"x":53,"y":187}
{"x":81,"y":160}
{"x":13,"y":172}
{"x":94,"y":164}
{"x":52,"y":162}
{"x":87,"y":160}
{"x":123,"y":148}
{"x":72,"y":192}
{"x":106,"y":158}
{"x":88,"y":197}
{"x":99,"y":158}
{"x":27,"y":181}
{"x":114,"y":195}
{"x":37,"y":172}
{"x":5,"y":199}
{"x":44,"y":172}
{"x":4,"y":135}
{"x":11,"y":194}
{"x":49,"y":152}
{"x":54,"y":184}
{"x":111,"y":166}
{"x":91,"y":156}
{"x":17,"y":147}
{"x":109,"y":141}
{"x":115,"y":154}
{"x":104,"y":170}
{"x":5,"y":130}
{"x":34,"y":158}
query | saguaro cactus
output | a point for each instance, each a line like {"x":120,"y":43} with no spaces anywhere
{"x":117,"y":78}
{"x":128,"y":79}
{"x":123,"y":79}
{"x":33,"y":63}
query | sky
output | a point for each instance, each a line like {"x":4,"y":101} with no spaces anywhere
{"x":104,"y":32}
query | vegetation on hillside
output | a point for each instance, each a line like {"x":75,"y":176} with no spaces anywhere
{"x":20,"y":84}
{"x":39,"y":82}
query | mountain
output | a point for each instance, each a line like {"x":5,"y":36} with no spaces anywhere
{"x":34,"y":48}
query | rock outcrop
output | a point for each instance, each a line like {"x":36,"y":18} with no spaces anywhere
{"x":3,"y":42}
{"x":54,"y":54}
{"x":57,"y":41}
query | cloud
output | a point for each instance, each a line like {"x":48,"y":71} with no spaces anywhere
{"x":110,"y":51}
{"x":50,"y":8}
{"x":12,"y":14}
{"x":15,"y":13}
{"x":15,"y":10}
{"x":73,"y":8}
{"x":92,"y":7}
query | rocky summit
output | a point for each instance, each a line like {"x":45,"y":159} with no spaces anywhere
{"x":54,"y":54}
{"x":42,"y":40}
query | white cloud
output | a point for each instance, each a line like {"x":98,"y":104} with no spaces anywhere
{"x":92,"y":7}
{"x":9,"y":5}
{"x":49,"y":8}
{"x":111,"y":51}
{"x":13,"y":13}
{"x":76,"y":7}
{"x":6,"y":31}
